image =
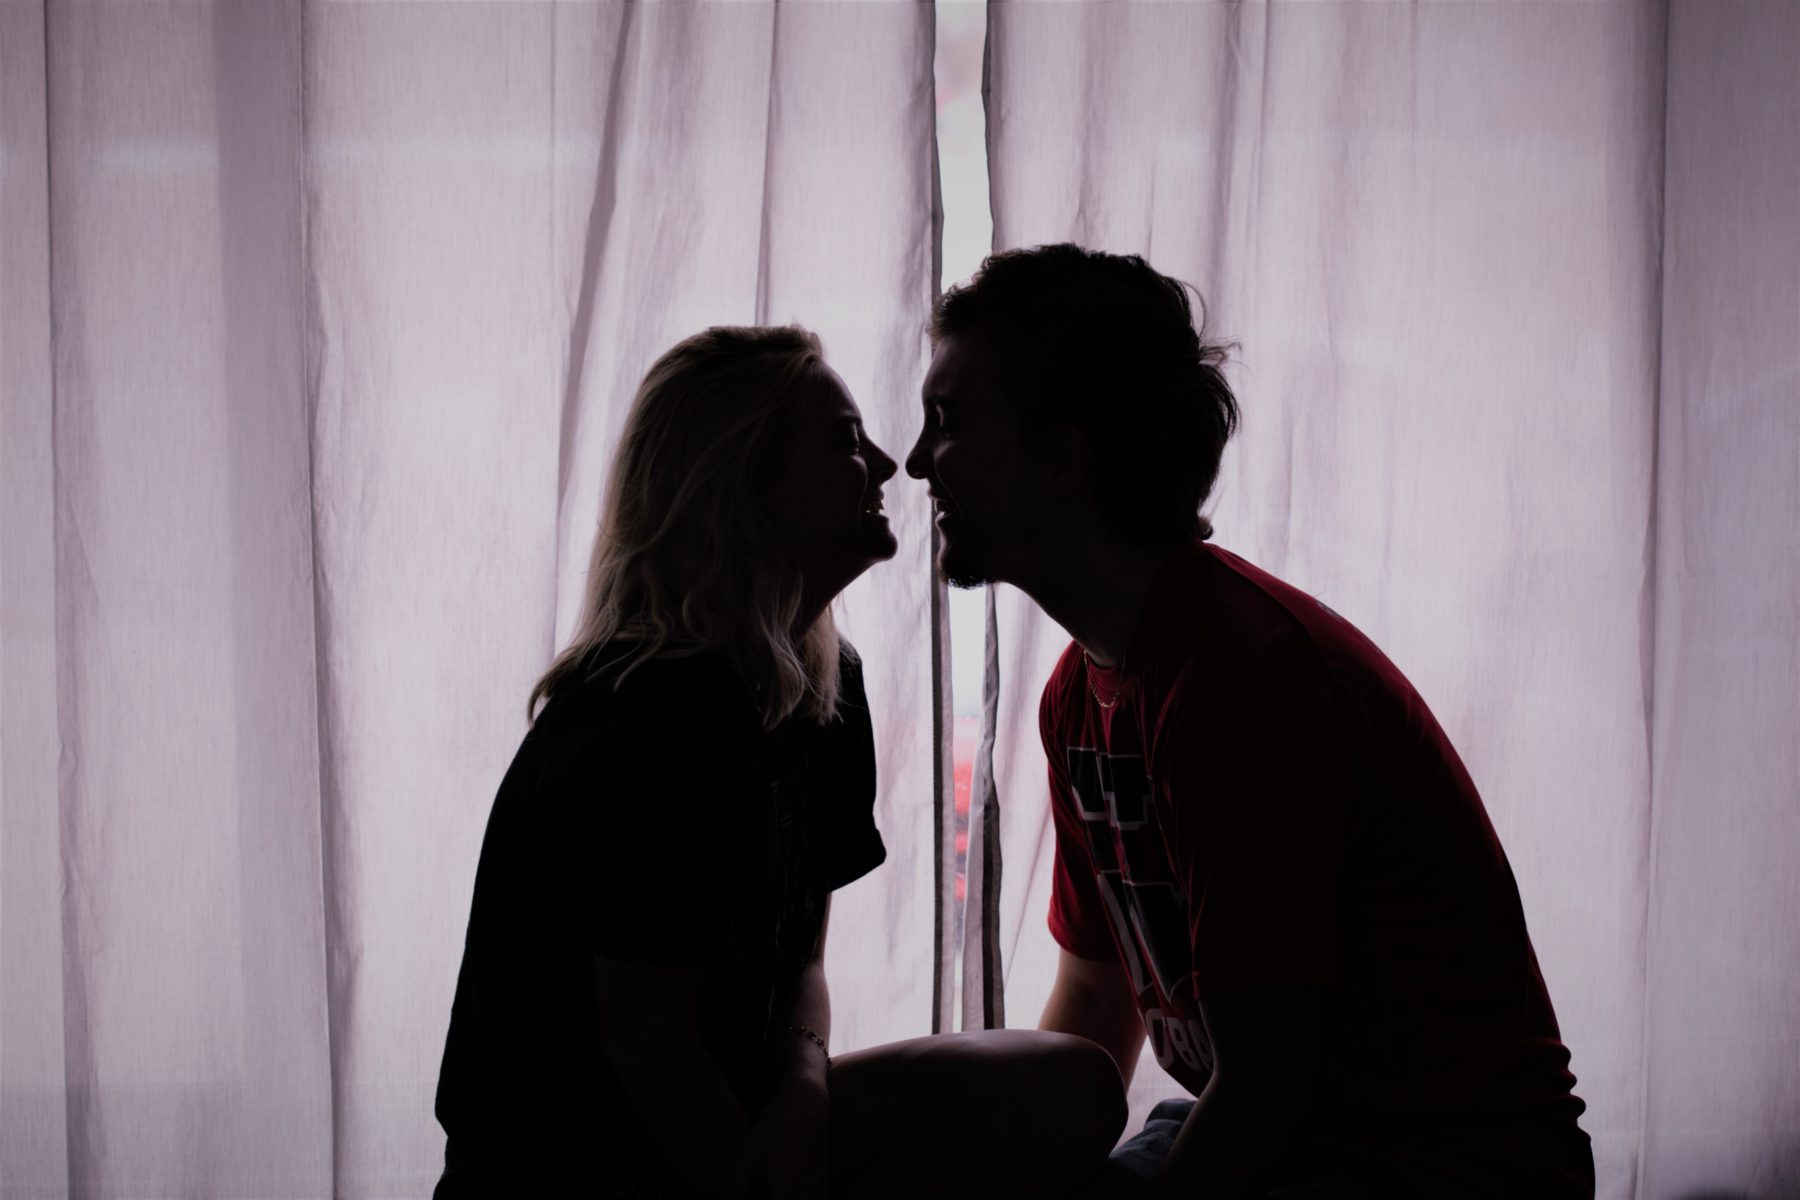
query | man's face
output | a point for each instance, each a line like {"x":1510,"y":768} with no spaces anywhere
{"x":973,"y":456}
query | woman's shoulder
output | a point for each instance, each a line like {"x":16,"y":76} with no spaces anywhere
{"x":850,"y":665}
{"x":622,"y":681}
{"x":676,"y":716}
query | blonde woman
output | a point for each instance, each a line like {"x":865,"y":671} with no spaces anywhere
{"x":642,"y":1007}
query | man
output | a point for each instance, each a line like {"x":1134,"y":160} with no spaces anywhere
{"x":1269,"y":857}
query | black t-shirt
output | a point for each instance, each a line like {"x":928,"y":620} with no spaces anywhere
{"x":657,"y":823}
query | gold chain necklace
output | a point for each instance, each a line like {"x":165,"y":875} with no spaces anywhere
{"x":1088,"y":670}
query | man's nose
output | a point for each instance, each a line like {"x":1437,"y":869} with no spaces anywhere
{"x":918,"y":459}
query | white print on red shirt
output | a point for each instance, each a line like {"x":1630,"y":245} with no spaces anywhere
{"x":1178,"y":1037}
{"x":1143,"y":900}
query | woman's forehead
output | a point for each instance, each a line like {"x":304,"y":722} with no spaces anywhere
{"x":821,"y":396}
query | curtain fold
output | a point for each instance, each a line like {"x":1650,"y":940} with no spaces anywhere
{"x":321,"y":321}
{"x":983,"y":965}
{"x":1514,"y":289}
{"x":1722,"y":977}
{"x":33,"y":1116}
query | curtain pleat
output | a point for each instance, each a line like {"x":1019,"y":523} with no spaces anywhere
{"x":1721,"y":1055}
{"x":983,"y":969}
{"x":33,"y":1110}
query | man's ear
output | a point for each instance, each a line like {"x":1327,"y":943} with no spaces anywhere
{"x":1067,"y":461}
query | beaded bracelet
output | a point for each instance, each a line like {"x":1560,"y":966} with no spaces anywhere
{"x":812,"y":1037}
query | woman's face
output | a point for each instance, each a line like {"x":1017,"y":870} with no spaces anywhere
{"x":825,"y":497}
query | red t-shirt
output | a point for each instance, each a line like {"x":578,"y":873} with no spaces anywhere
{"x":1269,"y":802}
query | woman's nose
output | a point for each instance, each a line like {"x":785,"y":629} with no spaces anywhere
{"x":885,"y":467}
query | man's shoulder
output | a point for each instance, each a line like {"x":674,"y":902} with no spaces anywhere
{"x":1222,"y":621}
{"x":1241,"y":646}
{"x":1252,"y":611}
{"x":1268,"y":631}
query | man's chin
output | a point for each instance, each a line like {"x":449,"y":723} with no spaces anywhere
{"x":957,"y":571}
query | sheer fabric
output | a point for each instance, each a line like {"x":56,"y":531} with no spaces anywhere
{"x":1517,"y":288}
{"x":320,"y":321}
{"x":317,"y":322}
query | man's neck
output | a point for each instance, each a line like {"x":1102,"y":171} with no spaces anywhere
{"x":1096,"y":593}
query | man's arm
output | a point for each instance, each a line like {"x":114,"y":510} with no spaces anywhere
{"x":1093,"y":999}
{"x":1265,"y":1048}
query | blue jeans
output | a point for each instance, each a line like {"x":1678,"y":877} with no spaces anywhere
{"x":1314,"y":1171}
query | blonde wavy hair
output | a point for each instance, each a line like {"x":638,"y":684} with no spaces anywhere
{"x":685,"y":559}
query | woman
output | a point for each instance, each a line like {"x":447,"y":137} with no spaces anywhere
{"x":642,"y":1007}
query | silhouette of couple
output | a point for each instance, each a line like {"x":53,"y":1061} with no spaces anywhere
{"x":1270,"y":862}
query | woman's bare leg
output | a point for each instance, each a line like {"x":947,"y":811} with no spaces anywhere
{"x":1003,"y":1112}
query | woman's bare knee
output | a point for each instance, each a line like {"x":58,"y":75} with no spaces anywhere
{"x":1056,"y":1097}
{"x":1093,"y":1112}
{"x":1019,"y":1109}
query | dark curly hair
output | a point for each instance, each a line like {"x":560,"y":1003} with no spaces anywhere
{"x":1106,"y":343}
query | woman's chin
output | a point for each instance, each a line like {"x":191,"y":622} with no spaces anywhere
{"x":878,"y":540}
{"x":882,"y":545}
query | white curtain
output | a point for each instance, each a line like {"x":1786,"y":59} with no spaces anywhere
{"x":1517,"y":288}
{"x":319,"y":322}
